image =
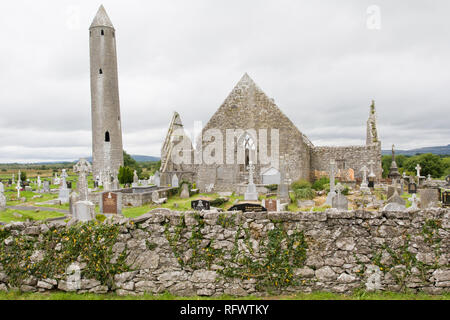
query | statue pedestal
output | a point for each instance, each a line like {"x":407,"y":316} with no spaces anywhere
{"x":251,"y":194}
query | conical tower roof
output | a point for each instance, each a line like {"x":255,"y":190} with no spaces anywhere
{"x":101,"y":19}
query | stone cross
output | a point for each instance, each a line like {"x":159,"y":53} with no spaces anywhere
{"x":339,"y":188}
{"x":429,"y":177}
{"x":83,"y":168}
{"x":364,"y":170}
{"x":251,"y":170}
{"x":39,"y":182}
{"x":64,"y":177}
{"x":107,"y":180}
{"x":418,"y":168}
{"x":332,"y":173}
{"x":135,"y":177}
{"x":13,"y":179}
{"x":18,"y":187}
{"x":413,"y":200}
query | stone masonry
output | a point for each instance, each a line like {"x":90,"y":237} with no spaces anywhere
{"x":344,"y":251}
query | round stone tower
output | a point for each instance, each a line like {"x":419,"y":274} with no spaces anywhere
{"x":107,"y":149}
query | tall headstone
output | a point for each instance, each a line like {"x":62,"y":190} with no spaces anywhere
{"x":64,"y":192}
{"x":116,"y":183}
{"x":83,"y":168}
{"x":332,"y":192}
{"x":251,"y":194}
{"x":2,"y":198}
{"x":283,"y":188}
{"x":135,"y":180}
{"x":13,"y":181}
{"x":19,"y":186}
{"x":364,"y":185}
{"x":372,"y":175}
{"x":107,"y":183}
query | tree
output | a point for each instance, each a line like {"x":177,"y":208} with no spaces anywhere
{"x":129,"y":162}
{"x":430,"y":164}
{"x":125,"y":175}
{"x":23,"y":176}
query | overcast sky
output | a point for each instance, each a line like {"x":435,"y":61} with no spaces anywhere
{"x":322,"y":61}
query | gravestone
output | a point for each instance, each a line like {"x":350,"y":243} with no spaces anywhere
{"x":396,"y":202}
{"x":429,"y":198}
{"x":46,"y":186}
{"x":111,"y":203}
{"x":412,"y":188}
{"x":414,"y":205}
{"x":251,"y":194}
{"x":84,"y":211}
{"x":73,"y":199}
{"x":364,"y":184}
{"x":390,"y":191}
{"x":248,"y":207}
{"x":446,"y":198}
{"x":209,"y":188}
{"x":184,"y":191}
{"x":116,"y":182}
{"x":174,"y":181}
{"x":271,"y":176}
{"x":283,"y":188}
{"x":155,"y":196}
{"x":135,"y":180}
{"x":2,"y":198}
{"x":157,"y":179}
{"x":199,"y":205}
{"x":39,"y":184}
{"x":271,"y":204}
{"x":340,"y":201}
{"x":332,"y":192}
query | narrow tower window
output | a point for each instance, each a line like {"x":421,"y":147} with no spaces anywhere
{"x":107,"y":139}
{"x":103,"y":32}
{"x":100,"y":71}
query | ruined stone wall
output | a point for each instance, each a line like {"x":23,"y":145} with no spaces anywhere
{"x":232,"y":253}
{"x":355,"y":157}
{"x":248,"y":108}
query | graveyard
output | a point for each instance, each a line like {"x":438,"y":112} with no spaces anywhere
{"x":249,"y":208}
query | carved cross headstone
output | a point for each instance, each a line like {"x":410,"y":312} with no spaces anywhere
{"x":418,"y":168}
{"x":251,"y":170}
{"x":64,"y":178}
{"x":332,"y":193}
{"x":364,"y":185}
{"x":413,"y":200}
{"x":19,"y":185}
{"x":83,"y":168}
{"x":371,"y":174}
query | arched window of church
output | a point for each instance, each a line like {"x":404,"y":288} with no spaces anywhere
{"x":249,"y":146}
{"x":100,"y":71}
{"x":103,"y":32}
{"x":107,"y":138}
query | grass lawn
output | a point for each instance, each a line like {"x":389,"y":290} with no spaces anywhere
{"x":301,"y":296}
{"x":7,"y":216}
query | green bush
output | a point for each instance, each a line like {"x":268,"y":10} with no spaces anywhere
{"x":300,"y":184}
{"x":272,"y":187}
{"x":304,"y":194}
{"x":319,"y":185}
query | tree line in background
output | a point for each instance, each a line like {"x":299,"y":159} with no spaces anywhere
{"x":435,"y":165}
{"x":126,"y":172}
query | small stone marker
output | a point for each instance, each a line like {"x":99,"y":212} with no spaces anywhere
{"x":340,"y":201}
{"x":364,"y":185}
{"x":135,"y":180}
{"x":391,"y":189}
{"x":155,"y":196}
{"x":184,"y":191}
{"x":199,"y":205}
{"x":84,"y":211}
{"x":396,"y":202}
{"x":429,"y":198}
